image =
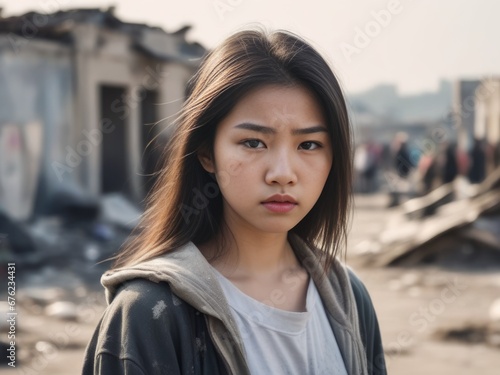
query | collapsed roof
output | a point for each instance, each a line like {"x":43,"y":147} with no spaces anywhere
{"x":59,"y":27}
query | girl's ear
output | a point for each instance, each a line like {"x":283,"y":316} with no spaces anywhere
{"x":206,"y":160}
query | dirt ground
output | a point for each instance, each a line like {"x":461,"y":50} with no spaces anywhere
{"x":418,"y":308}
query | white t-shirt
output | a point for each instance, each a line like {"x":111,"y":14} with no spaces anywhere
{"x":279,"y":342}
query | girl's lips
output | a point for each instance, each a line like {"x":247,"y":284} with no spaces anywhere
{"x":279,"y":207}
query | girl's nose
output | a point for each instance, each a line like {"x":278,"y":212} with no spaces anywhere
{"x":281,"y":169}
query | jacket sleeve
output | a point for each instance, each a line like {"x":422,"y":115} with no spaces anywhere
{"x":136,"y":334}
{"x":368,"y":323}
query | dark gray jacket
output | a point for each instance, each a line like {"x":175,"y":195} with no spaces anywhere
{"x":169,"y":315}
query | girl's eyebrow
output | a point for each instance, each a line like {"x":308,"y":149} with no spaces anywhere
{"x":268,"y":130}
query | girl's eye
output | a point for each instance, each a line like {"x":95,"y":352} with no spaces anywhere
{"x":252,"y":143}
{"x":310,"y":145}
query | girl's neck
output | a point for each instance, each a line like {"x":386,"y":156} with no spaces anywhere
{"x":250,"y":256}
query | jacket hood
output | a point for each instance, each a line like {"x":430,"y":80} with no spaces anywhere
{"x":193,"y":279}
{"x":186,"y":270}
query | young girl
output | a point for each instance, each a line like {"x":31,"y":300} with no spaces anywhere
{"x":234,"y":267}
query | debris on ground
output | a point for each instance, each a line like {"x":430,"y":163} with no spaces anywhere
{"x":473,"y":333}
{"x":461,"y":233}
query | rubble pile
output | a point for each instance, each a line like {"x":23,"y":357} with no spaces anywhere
{"x":79,"y":237}
{"x":59,"y":259}
{"x":449,"y":228}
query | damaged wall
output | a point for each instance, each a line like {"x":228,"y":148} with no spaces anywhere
{"x":35,"y":118}
{"x":87,"y":107}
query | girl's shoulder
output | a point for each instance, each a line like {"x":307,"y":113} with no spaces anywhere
{"x":147,"y":299}
{"x":143,"y":330}
{"x":364,"y":304}
{"x":361,"y":294}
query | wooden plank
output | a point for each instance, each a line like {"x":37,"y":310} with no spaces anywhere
{"x":452,"y":217}
{"x":427,"y":205}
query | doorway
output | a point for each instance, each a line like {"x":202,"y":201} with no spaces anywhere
{"x":150,"y":147}
{"x":114,"y":160}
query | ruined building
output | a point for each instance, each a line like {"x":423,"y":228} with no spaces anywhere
{"x":81,"y":93}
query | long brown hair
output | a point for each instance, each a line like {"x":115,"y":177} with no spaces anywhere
{"x":185,"y":203}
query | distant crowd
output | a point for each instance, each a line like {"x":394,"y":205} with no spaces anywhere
{"x":398,"y":167}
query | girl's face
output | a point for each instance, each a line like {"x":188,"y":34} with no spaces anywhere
{"x":274,"y":141}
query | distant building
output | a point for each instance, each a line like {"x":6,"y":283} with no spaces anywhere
{"x":487,"y":118}
{"x":385,"y":101}
{"x":381,"y":112}
{"x":80,"y":94}
{"x":464,"y":109}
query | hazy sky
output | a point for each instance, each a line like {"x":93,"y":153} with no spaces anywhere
{"x":412,"y":43}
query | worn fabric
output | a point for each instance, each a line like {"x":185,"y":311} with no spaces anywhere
{"x":169,"y":315}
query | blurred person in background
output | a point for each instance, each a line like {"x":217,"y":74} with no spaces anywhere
{"x":427,"y":171}
{"x":371,"y":174}
{"x":361,"y":163}
{"x":477,"y":157}
{"x":402,"y":166}
{"x":449,"y":164}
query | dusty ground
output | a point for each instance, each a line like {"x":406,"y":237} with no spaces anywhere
{"x":415,"y":306}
